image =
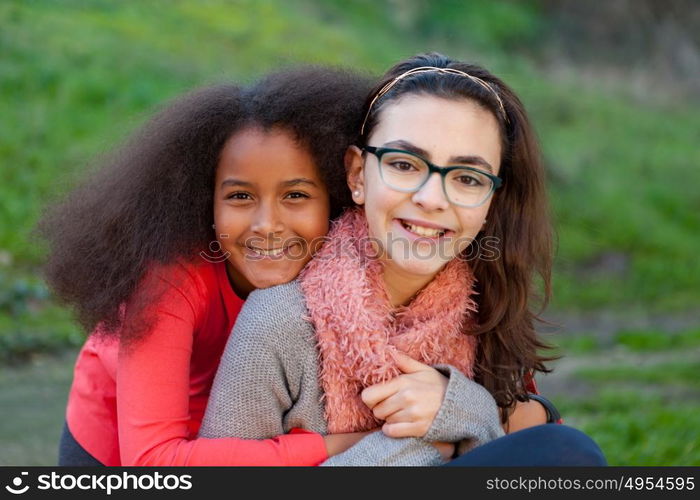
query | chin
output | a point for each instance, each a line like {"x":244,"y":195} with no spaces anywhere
{"x":267,"y":282}
{"x":423,"y":268}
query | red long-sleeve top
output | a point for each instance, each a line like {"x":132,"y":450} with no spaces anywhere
{"x":144,"y":406}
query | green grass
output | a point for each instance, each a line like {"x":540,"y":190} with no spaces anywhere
{"x":644,"y":410}
{"x":645,"y":341}
{"x":638,"y":428}
{"x":622,"y":183}
{"x":641,"y":341}
{"x":30,"y":322}
{"x":580,"y":344}
{"x":47,"y":329}
{"x":677,"y":373}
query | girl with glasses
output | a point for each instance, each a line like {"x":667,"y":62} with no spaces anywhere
{"x":416,"y":316}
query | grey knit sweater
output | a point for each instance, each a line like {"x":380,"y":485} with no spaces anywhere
{"x":268,"y":383}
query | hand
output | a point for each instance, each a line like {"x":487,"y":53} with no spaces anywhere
{"x":409,"y":402}
{"x":447,"y":450}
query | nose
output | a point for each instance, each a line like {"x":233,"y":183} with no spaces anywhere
{"x":431,"y":196}
{"x":266,"y":220}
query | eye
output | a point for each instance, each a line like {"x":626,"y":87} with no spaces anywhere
{"x":297,"y":195}
{"x":469,"y":180}
{"x":402,"y":165}
{"x":239,"y":196}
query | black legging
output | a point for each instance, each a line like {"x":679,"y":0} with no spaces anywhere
{"x":71,"y":454}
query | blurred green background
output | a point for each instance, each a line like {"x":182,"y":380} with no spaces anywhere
{"x":612,"y":88}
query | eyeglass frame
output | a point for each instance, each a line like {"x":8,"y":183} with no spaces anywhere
{"x":496,"y":181}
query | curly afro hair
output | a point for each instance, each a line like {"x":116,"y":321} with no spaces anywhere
{"x":151,"y":202}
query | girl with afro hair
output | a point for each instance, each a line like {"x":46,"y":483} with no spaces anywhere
{"x":226,"y":190}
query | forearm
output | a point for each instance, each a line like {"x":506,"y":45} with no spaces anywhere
{"x":377,"y":449}
{"x":338,"y":443}
{"x":155,"y":422}
{"x":266,"y":383}
{"x":468,"y":413}
{"x":287,"y":450}
{"x":525,"y":414}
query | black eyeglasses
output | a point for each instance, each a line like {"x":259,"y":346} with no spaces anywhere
{"x":408,"y":172}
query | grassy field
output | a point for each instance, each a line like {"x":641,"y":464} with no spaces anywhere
{"x":76,"y":77}
{"x":635,"y":392}
{"x":33,"y":397}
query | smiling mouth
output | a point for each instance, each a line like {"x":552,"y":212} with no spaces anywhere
{"x":273,"y":252}
{"x":426,"y":232}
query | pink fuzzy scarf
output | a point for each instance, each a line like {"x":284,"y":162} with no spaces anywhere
{"x":358,"y":331}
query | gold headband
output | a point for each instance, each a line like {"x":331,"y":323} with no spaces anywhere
{"x":431,"y":69}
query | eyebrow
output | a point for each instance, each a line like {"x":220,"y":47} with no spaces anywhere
{"x":300,"y":180}
{"x":289,"y":183}
{"x":235,"y":182}
{"x":461,"y":159}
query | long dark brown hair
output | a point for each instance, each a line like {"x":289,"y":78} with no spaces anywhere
{"x":518,"y":219}
{"x":151,"y":202}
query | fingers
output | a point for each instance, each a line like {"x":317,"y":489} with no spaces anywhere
{"x":400,"y":390}
{"x":409,"y":402}
{"x":385,"y":409}
{"x":377,"y":393}
{"x":403,"y":397}
{"x":397,"y":410}
{"x":392,"y":408}
{"x":407,"y":364}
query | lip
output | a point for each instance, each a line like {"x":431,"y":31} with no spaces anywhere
{"x":415,"y":237}
{"x":253,"y":252}
{"x":267,"y":249}
{"x":423,"y":223}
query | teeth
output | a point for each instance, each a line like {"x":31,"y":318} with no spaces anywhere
{"x":424,"y":231}
{"x":273,"y":252}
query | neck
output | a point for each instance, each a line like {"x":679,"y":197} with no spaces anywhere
{"x":239,"y":284}
{"x":401,"y":286}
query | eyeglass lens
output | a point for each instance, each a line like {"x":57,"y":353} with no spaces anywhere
{"x":462,"y":186}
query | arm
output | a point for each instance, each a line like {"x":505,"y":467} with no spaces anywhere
{"x":377,"y":449}
{"x":250,"y":394}
{"x":267,"y":380}
{"x":537,"y":410}
{"x":155,"y":424}
{"x":526,"y":414}
{"x":467,"y":412}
